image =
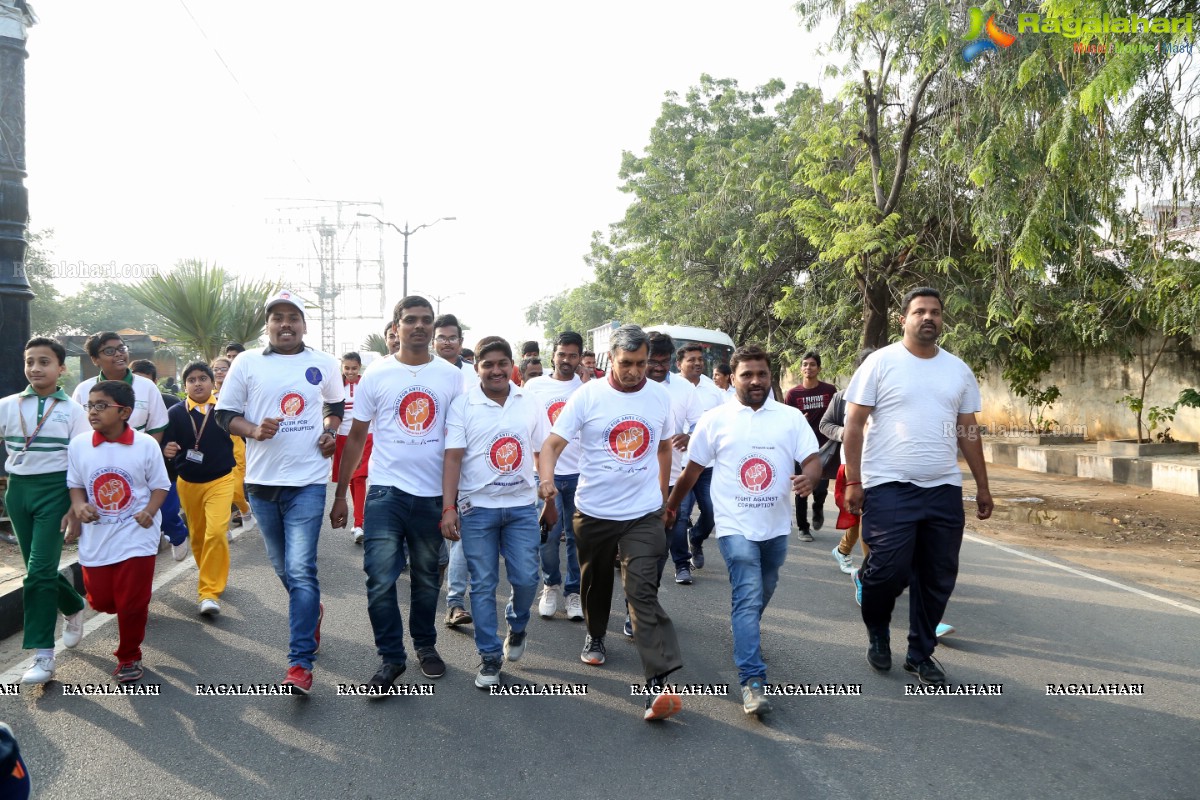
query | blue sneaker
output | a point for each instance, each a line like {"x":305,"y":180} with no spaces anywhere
{"x":857,"y":587}
{"x":628,"y":626}
{"x":943,"y":630}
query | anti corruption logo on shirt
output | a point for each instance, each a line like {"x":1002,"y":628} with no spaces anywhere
{"x":416,"y":410}
{"x":505,"y":454}
{"x":554,"y":409}
{"x":628,"y":439}
{"x":291,"y":404}
{"x":756,"y":474}
{"x":112,"y":491}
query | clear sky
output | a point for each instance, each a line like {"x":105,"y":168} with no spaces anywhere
{"x":143,"y":149}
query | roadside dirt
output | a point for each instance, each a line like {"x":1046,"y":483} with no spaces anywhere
{"x":1124,"y":531}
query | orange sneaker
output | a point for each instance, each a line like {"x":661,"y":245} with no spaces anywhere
{"x":300,"y":679}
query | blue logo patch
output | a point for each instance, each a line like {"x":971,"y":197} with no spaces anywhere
{"x":313,"y":376}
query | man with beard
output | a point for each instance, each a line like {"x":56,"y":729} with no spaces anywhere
{"x":903,"y":477}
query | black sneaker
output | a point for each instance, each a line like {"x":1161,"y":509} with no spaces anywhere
{"x":593,"y":651}
{"x":383,"y":679}
{"x":805,"y":535}
{"x":628,"y":629}
{"x":432,"y":665}
{"x":698,"y":555}
{"x":928,"y":672}
{"x":514,"y":645}
{"x":818,"y":518}
{"x":489,"y":673}
{"x":879,"y":654}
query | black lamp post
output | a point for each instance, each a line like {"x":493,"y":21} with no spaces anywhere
{"x":405,"y":232}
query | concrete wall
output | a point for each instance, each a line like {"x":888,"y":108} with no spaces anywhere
{"x":1091,"y":384}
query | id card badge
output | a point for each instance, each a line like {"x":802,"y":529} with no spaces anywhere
{"x":195,"y":456}
{"x":464,"y":505}
{"x":18,"y":458}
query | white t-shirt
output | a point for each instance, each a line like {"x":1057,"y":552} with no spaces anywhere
{"x":409,"y":411}
{"x":619,"y":436}
{"x":553,"y":395}
{"x":708,"y":394}
{"x":469,"y":375}
{"x":48,"y":450}
{"x":294,"y":387}
{"x":118,"y":479}
{"x":498,"y":469}
{"x":685,"y":411}
{"x":348,"y":392}
{"x":753,"y":454}
{"x":149,"y":411}
{"x":915,"y":406}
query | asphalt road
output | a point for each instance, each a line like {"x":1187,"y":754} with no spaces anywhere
{"x":1021,"y":623}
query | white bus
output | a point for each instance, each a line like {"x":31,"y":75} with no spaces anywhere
{"x":718,"y":347}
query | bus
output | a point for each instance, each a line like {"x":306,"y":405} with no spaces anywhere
{"x":718,"y":347}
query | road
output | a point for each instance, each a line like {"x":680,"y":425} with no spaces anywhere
{"x":1022,"y":623}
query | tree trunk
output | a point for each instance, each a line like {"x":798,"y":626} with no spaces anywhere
{"x":875,"y":314}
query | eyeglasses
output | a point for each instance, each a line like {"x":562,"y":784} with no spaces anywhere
{"x":445,"y":339}
{"x":112,"y":351}
{"x":101,"y":406}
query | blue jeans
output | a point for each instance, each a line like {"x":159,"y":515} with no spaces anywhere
{"x":290,"y":525}
{"x":456,"y":577}
{"x":173,"y":525}
{"x":488,"y":533}
{"x":394,"y":517}
{"x":565,"y":503}
{"x":679,"y":531}
{"x":701,"y":494}
{"x":753,"y":576}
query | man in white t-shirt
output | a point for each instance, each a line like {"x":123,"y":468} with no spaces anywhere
{"x":407,"y":396}
{"x":905,"y":479}
{"x":752,"y":444}
{"x":552,"y":392}
{"x":624,"y":425}
{"x":448,"y":344}
{"x":489,"y":482}
{"x":286,"y":402}
{"x":690,"y":358}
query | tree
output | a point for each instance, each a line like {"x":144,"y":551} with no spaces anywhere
{"x":375,"y":344}
{"x":204,"y":307}
{"x":45,"y":312}
{"x":579,"y":309}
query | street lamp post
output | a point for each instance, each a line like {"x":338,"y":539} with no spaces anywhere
{"x":405,"y":232}
{"x":437,"y":299}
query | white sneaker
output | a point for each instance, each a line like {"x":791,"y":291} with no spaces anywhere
{"x":180,"y":551}
{"x":41,"y":671}
{"x":229,"y":535}
{"x":574,"y":607}
{"x":209,"y":608}
{"x":845,"y":563}
{"x":73,"y":628}
{"x":548,"y":605}
{"x":248,"y":522}
{"x":358,"y":535}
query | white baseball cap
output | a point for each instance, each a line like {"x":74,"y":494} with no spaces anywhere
{"x":286,"y":296}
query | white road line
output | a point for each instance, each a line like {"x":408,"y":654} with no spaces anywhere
{"x":15,"y":670}
{"x":1083,"y":574}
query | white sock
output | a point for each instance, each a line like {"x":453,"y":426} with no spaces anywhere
{"x":44,"y":651}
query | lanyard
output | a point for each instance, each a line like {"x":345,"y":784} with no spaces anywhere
{"x":28,"y":436}
{"x":203,"y":425}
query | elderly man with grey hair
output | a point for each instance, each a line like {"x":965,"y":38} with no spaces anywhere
{"x":624,"y":425}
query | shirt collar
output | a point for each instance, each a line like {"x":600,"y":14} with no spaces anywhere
{"x":769,"y":404}
{"x":58,"y":394}
{"x":192,"y":405}
{"x":126,"y":437}
{"x":268,"y":350}
{"x":478,"y":398}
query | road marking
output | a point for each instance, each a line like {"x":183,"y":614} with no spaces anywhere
{"x":1083,"y":574}
{"x":17,"y":669}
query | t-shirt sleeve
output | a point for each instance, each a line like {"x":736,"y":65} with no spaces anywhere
{"x":157,"y":409}
{"x":75,"y":464}
{"x":972,"y":403}
{"x":456,"y":424}
{"x":701,"y":445}
{"x":332,"y":388}
{"x":156,"y":469}
{"x":570,"y":419}
{"x":234,"y":391}
{"x":805,"y":441}
{"x":364,"y":399}
{"x":863,"y":386}
{"x":79,"y":420}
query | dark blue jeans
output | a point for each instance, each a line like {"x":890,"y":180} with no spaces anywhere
{"x":564,"y":501}
{"x":914,"y":535}
{"x":394,"y":518}
{"x":700,"y":495}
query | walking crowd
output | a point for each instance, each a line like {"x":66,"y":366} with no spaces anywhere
{"x":447,"y":460}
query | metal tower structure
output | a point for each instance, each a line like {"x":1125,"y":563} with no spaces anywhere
{"x":322,"y":250}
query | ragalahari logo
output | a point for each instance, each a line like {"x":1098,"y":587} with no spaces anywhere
{"x":996,"y":38}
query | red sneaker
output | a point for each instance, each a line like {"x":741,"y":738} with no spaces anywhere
{"x":662,"y":705}
{"x":300,"y":679}
{"x":317,"y":635}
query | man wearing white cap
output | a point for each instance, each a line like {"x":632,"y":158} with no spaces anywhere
{"x":286,"y":401}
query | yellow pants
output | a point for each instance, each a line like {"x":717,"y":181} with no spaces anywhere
{"x":207,"y":508}
{"x":239,"y":475}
